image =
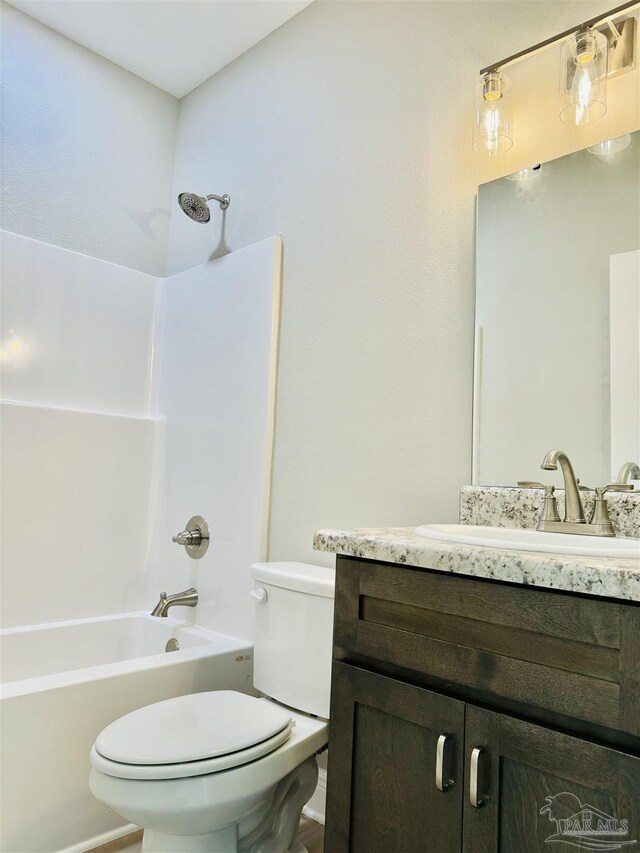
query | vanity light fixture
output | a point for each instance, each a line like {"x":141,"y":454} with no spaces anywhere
{"x":492,"y":132}
{"x":592,"y":52}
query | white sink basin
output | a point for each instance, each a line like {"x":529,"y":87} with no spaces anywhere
{"x":532,"y":540}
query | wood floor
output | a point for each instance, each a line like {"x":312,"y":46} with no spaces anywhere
{"x":311,"y":834}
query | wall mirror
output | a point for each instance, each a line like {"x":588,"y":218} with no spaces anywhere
{"x":557,"y":348}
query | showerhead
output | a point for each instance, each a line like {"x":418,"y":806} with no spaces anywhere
{"x":196,"y":207}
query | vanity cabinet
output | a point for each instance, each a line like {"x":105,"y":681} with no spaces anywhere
{"x":471,"y":715}
{"x":382,"y":791}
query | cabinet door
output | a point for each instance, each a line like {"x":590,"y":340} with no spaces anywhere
{"x":528,"y":789}
{"x":395,"y":767}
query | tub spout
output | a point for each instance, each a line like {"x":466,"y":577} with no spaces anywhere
{"x":188,"y":598}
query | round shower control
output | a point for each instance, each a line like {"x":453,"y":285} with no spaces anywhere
{"x":195,"y":537}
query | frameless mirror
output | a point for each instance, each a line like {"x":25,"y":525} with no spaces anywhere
{"x":557,"y":352}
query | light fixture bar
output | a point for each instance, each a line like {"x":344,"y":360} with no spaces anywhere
{"x":593,"y":22}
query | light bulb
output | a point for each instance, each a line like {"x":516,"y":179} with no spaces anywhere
{"x":492,"y":131}
{"x":583,"y":77}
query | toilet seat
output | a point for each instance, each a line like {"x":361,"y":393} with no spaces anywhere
{"x":187,"y":769}
{"x":191,"y":735}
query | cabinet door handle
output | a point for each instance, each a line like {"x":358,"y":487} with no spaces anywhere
{"x":475,"y":797}
{"x":444,"y":774}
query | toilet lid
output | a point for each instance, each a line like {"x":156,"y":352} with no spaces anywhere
{"x":191,"y":728}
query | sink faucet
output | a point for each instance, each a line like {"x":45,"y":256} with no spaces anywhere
{"x":629,"y":471}
{"x":188,"y":598}
{"x":574,"y":520}
{"x":574,"y":510}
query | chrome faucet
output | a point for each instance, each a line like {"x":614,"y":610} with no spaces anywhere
{"x":188,"y":598}
{"x":629,"y":471}
{"x":574,"y":510}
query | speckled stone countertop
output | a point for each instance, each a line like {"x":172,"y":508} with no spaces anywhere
{"x":505,"y":506}
{"x":604,"y":576}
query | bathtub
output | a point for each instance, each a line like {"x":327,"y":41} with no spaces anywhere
{"x":62,"y":683}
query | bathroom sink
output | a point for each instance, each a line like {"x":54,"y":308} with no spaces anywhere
{"x":532,"y":540}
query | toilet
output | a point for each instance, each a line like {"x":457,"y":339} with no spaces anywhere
{"x":221,"y":771}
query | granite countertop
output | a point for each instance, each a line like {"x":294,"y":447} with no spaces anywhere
{"x":611,"y":577}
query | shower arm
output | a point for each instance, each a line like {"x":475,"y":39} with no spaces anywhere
{"x":223,"y":200}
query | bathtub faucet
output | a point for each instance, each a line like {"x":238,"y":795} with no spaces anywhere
{"x":188,"y":598}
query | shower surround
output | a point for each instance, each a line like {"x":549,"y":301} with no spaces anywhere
{"x":130,"y":403}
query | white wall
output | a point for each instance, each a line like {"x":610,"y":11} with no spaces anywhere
{"x":87,"y":149}
{"x":76,"y":505}
{"x":217,"y":346}
{"x":77,"y":449}
{"x":74,"y":331}
{"x":348,"y":131}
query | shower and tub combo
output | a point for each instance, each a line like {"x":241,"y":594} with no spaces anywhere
{"x":112,"y":374}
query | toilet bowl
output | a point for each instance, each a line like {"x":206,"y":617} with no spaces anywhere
{"x":220,"y":772}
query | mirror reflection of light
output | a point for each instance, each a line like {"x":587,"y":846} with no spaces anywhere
{"x":610,"y":146}
{"x":14,"y":351}
{"x":525,"y":174}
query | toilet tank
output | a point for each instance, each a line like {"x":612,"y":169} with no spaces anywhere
{"x":293,"y":634}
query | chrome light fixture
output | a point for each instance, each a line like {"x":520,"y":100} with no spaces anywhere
{"x":492,"y":130}
{"x":592,"y":52}
{"x":583,"y":77}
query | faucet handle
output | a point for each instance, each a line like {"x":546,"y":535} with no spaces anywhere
{"x":188,"y":537}
{"x":549,"y":488}
{"x":550,"y":506}
{"x":195,"y":537}
{"x":613,"y":487}
{"x":601,"y":520}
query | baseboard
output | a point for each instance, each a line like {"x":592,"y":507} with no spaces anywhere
{"x":101,"y":840}
{"x":315,"y":808}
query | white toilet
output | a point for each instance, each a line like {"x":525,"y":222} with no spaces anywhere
{"x":221,"y":771}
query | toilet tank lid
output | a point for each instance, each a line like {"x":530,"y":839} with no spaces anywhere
{"x":301,"y":577}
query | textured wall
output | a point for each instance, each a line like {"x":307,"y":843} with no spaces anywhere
{"x":87,"y":149}
{"x":348,"y":131}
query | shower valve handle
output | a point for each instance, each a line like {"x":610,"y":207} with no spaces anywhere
{"x":195,"y":538}
{"x":188,"y":537}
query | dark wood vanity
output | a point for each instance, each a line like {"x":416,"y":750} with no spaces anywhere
{"x":476,"y":715}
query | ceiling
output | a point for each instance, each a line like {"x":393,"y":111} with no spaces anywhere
{"x":174,"y":44}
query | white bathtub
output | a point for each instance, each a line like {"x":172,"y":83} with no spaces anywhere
{"x":62,"y":683}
